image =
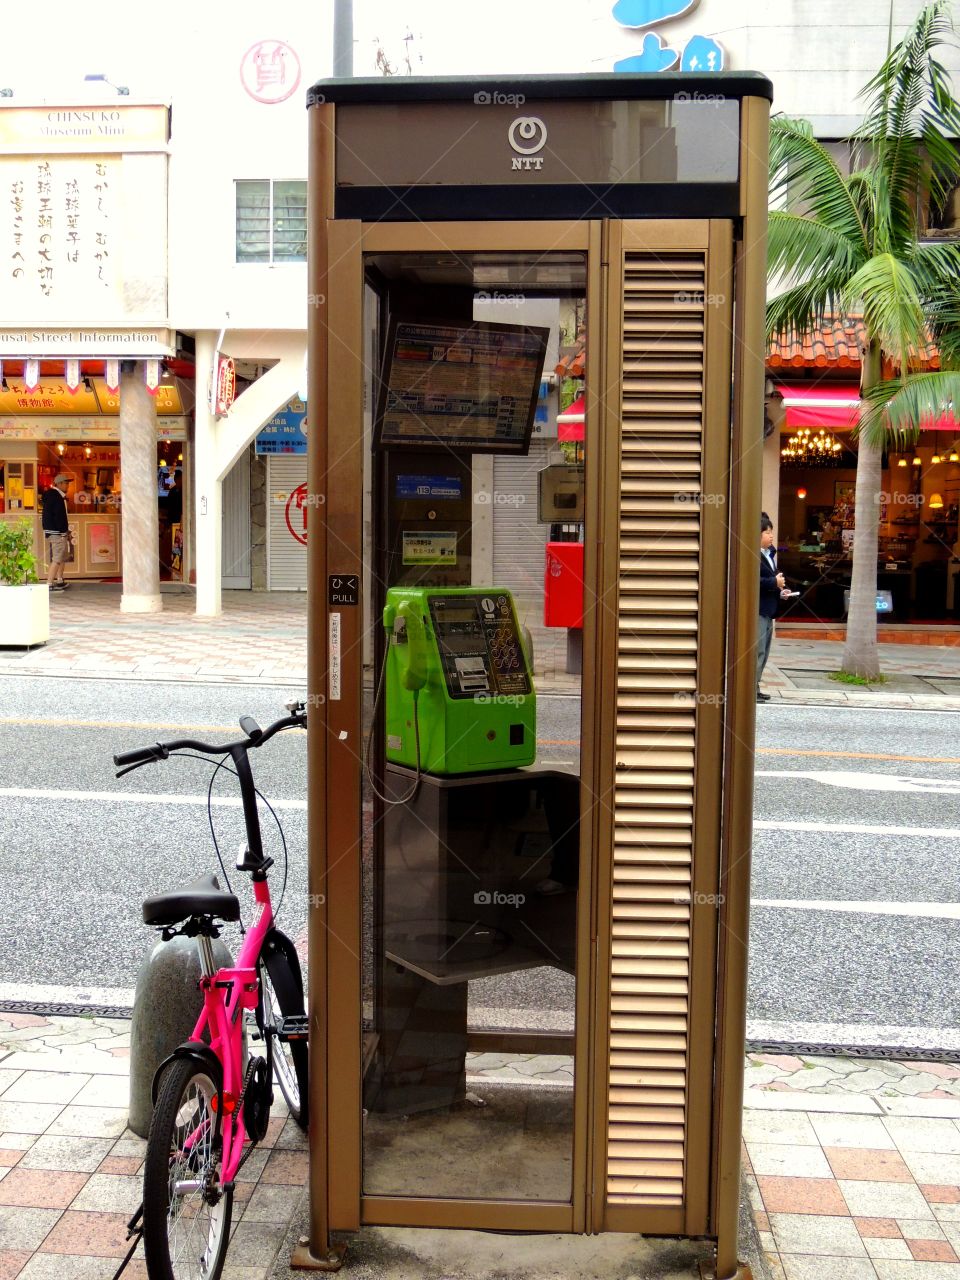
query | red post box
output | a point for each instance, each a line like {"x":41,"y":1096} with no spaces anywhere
{"x":563,"y":585}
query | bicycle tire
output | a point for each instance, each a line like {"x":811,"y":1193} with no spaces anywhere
{"x":186,"y":1092}
{"x":278,"y":969}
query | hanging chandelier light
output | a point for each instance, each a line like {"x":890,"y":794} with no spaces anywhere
{"x":807,"y":448}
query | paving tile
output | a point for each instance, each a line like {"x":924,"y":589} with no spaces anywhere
{"x":292,"y":1137}
{"x":90,"y":1122}
{"x":40,"y":1188}
{"x":882,"y":1247}
{"x":800,"y":1267}
{"x":9,"y":1158}
{"x":920,"y":1229}
{"x":867,"y":1166}
{"x":11,"y":1262}
{"x":884,"y":1199}
{"x":929,"y":1166}
{"x":895,"y":1269}
{"x":921,"y":1133}
{"x":77,"y":1155}
{"x":777,"y":1128}
{"x":885,"y":1227}
{"x":257,"y":1243}
{"x":286,"y":1167}
{"x":25,"y":1228}
{"x":269,"y":1204}
{"x":932,"y":1250}
{"x":7,"y":1078}
{"x":101,"y":1235}
{"x":28,"y":1117}
{"x":254,"y":1165}
{"x":97,"y":1091}
{"x":52,"y":1086}
{"x":109,"y":1193}
{"x":801,"y":1195}
{"x":946,"y":1212}
{"x":816,"y":1234}
{"x":53,"y":1266}
{"x":129,"y":1165}
{"x":852,"y":1131}
{"x":17,"y":1141}
{"x":937,"y":1193}
{"x":941,"y":1108}
{"x":793,"y":1161}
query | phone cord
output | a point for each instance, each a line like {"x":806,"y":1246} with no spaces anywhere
{"x":370,"y":736}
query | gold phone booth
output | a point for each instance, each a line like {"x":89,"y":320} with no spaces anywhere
{"x":528,"y":980}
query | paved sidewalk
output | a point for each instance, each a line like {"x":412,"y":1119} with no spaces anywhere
{"x":853,"y":1166}
{"x":261,"y":637}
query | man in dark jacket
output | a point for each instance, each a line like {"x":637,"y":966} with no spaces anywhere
{"x":772,"y":587}
{"x":56,"y":528}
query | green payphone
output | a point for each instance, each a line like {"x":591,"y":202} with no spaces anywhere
{"x":459,"y":689}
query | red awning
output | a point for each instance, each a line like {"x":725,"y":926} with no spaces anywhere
{"x":835,"y":407}
{"x":570,"y":422}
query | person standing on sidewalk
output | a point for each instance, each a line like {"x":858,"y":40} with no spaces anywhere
{"x":56,"y":529}
{"x":772,"y":587}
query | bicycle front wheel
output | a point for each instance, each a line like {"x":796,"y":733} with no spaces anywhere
{"x":186,"y":1218}
{"x":281,"y":995}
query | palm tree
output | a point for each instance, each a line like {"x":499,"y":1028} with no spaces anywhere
{"x":855,"y":250}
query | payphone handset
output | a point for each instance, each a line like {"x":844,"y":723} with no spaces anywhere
{"x":459,"y":688}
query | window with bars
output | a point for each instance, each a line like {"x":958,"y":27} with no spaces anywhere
{"x":271,"y":221}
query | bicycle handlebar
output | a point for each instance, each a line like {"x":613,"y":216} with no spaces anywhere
{"x":255,"y":737}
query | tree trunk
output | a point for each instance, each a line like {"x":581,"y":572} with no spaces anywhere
{"x":860,"y":656}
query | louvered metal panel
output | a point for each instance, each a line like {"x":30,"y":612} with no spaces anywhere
{"x":657,"y":659}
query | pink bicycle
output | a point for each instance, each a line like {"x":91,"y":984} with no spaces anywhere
{"x":210,"y":1112}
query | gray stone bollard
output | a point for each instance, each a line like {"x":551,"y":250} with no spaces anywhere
{"x":166,"y":1005}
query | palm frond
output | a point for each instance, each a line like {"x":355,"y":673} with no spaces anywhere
{"x":892,"y":308}
{"x":797,"y":311}
{"x":802,"y":164}
{"x":911,"y":112}
{"x":893,"y":412}
{"x":936,"y":269}
{"x":805,"y":248}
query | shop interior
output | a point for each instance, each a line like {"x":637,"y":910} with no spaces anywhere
{"x":470,"y":824}
{"x":917,"y":565}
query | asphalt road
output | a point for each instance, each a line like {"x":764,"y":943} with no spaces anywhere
{"x":855,"y":909}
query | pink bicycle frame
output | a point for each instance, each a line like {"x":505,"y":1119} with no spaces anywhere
{"x":226,"y":993}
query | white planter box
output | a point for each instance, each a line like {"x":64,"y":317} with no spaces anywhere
{"x":25,"y":615}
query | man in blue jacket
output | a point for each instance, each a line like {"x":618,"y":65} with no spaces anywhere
{"x":772,"y":587}
{"x":56,"y":528}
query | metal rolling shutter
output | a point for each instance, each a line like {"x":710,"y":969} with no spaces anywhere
{"x":519,"y":555}
{"x":235,"y":539}
{"x":662,"y":407}
{"x":286,"y":555}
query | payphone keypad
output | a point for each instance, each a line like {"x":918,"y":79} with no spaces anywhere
{"x":479,"y":645}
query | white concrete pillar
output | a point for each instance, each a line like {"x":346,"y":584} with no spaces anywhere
{"x":139,"y":519}
{"x":207,"y":487}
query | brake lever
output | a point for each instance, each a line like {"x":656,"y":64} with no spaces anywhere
{"x":130,"y":767}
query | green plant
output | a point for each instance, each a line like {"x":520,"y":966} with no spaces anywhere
{"x":18,"y":564}
{"x":844,"y":677}
{"x":852,"y":246}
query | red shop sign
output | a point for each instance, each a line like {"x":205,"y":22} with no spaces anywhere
{"x":226,"y":383}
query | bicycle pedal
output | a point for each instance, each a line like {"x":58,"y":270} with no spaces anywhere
{"x":294,"y":1027}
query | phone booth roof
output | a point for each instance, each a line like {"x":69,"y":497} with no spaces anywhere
{"x":611,"y":145}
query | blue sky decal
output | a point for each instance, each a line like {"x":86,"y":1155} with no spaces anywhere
{"x":644,"y":13}
{"x":654,"y":56}
{"x":700,"y":53}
